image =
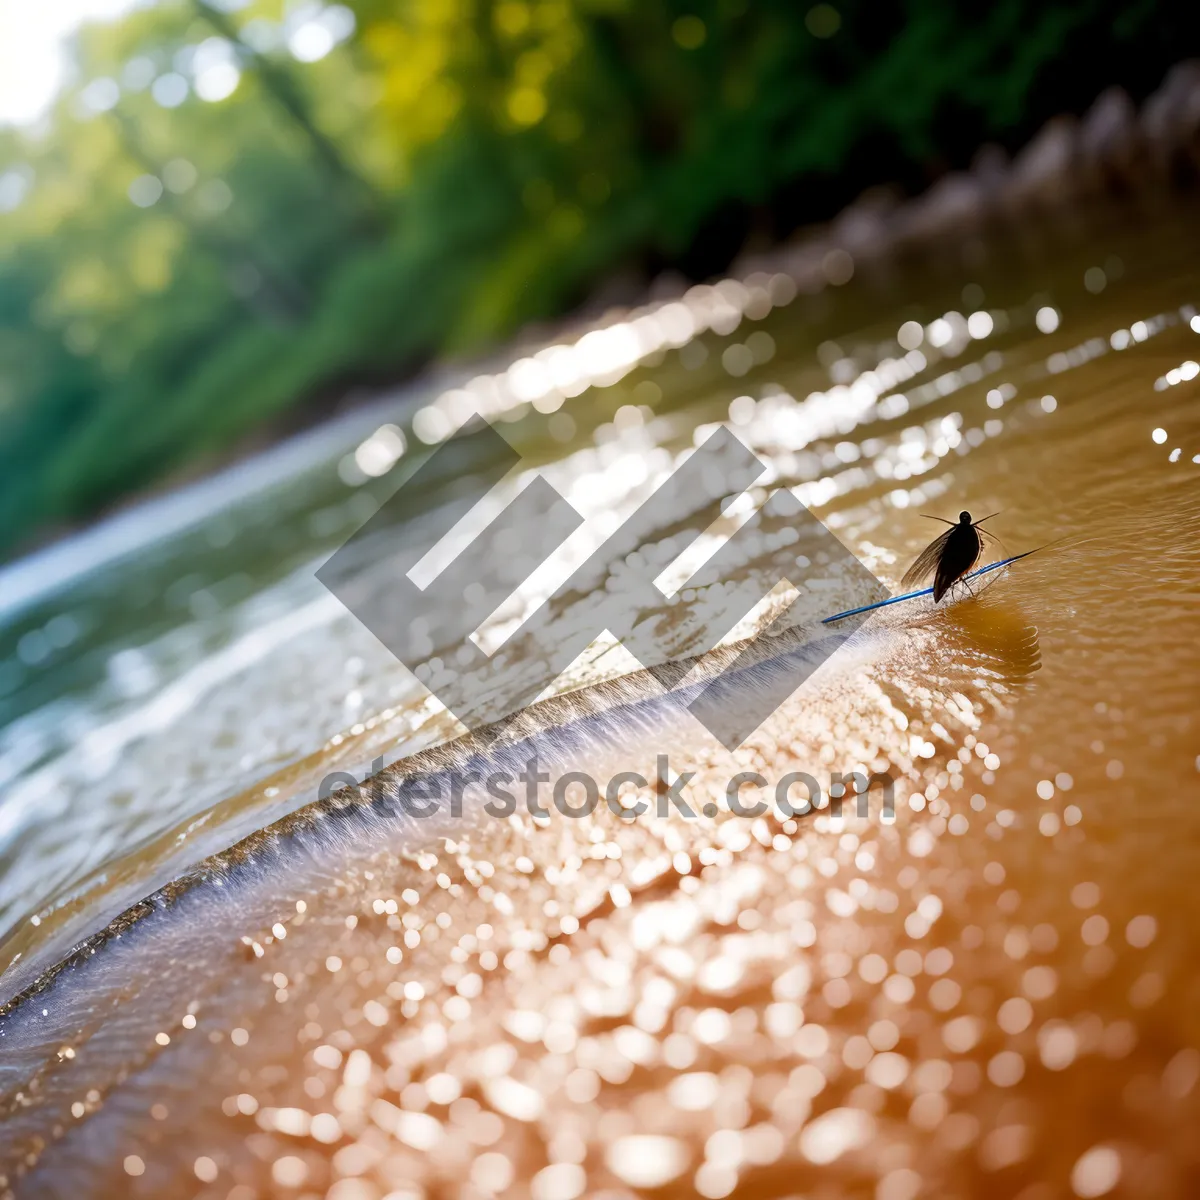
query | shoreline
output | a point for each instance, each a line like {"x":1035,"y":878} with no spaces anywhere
{"x":1114,"y":154}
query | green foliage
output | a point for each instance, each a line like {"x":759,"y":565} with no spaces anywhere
{"x":183,"y":268}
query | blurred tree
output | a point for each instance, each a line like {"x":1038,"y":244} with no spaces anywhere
{"x":279,"y":83}
{"x":240,"y":204}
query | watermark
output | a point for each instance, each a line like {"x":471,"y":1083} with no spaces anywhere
{"x":578,"y":794}
{"x":373,"y":576}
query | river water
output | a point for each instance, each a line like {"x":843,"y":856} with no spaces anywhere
{"x":991,"y":994}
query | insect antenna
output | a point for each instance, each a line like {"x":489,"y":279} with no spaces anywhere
{"x":931,"y":517}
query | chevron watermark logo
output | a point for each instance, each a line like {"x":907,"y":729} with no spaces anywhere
{"x":437,"y":621}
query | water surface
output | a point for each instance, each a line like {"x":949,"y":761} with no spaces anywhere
{"x":992,"y":994}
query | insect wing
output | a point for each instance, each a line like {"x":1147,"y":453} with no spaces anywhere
{"x":927,"y":560}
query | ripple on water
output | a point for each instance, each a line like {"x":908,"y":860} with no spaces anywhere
{"x":725,"y":1005}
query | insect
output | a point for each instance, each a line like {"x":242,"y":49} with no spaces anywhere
{"x":949,"y":557}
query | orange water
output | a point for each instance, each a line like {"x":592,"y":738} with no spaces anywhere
{"x":993,"y":995}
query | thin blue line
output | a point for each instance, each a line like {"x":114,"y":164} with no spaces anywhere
{"x":854,"y":612}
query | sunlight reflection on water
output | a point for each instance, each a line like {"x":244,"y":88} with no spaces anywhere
{"x":720,"y":1004}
